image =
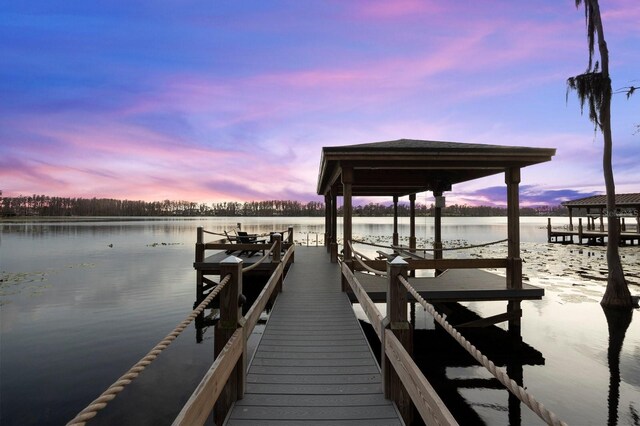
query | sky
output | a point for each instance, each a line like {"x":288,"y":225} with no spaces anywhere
{"x":212,"y":101}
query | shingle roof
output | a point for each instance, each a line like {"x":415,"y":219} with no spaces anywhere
{"x":409,"y":166}
{"x":601,"y":201}
{"x":421,"y":145}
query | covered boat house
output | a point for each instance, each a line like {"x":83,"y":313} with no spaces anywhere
{"x":407,"y":167}
{"x":595,"y":208}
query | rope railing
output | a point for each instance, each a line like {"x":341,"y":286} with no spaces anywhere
{"x":423,"y":249}
{"x":262,"y":259}
{"x":517,"y":390}
{"x":364,"y":265}
{"x":214,"y":233}
{"x":118,"y":386}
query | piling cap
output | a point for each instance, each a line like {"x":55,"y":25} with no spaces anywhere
{"x":398,"y":260}
{"x":231,"y":260}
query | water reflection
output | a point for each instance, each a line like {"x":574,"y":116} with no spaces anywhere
{"x":618,"y":321}
{"x":458,"y":378}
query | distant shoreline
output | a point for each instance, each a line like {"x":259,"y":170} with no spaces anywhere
{"x":26,"y":219}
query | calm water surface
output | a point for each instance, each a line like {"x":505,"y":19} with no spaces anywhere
{"x":81,"y":302}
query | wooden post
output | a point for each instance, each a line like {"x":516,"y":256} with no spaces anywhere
{"x":514,"y":262}
{"x":580,"y":230}
{"x":275,"y":259}
{"x":199,"y":258}
{"x":327,"y":221}
{"x":602,"y":220}
{"x":623,"y":226}
{"x":334,"y":225}
{"x":548,"y":229}
{"x":437,"y":223}
{"x":230,"y":316}
{"x":347,"y":209}
{"x":401,"y":328}
{"x":412,"y":222}
{"x":570,"y":219}
{"x":395,"y":220}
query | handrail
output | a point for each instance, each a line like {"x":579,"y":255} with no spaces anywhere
{"x":364,"y":265}
{"x":517,"y":390}
{"x":99,"y":403}
{"x":373,"y":314}
{"x":262,"y":259}
{"x":253,"y":315}
{"x":212,"y":384}
{"x":199,"y":405}
{"x":425,"y":398}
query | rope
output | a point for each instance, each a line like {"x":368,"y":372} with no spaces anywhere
{"x":364,"y":265}
{"x":528,"y":399}
{"x":214,"y":233}
{"x":248,"y":268}
{"x":432,"y":249}
{"x":99,"y":403}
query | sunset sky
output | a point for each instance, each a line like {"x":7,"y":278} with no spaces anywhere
{"x":212,"y":101}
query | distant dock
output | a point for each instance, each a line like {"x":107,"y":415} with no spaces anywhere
{"x":591,"y":234}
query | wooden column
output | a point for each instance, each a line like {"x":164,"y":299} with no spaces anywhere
{"x":199,"y":258}
{"x":401,"y":328}
{"x":395,"y":220}
{"x":602,"y":220}
{"x":347,"y":216}
{"x":275,"y":259}
{"x":514,"y":262}
{"x":638,"y":219}
{"x":327,"y":220}
{"x":412,"y":221}
{"x":230,"y":316}
{"x":570,"y":219}
{"x":437,"y":224}
{"x":580,"y":230}
{"x":347,"y":210}
{"x":334,"y":225}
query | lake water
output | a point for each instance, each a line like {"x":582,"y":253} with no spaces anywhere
{"x":81,"y":302}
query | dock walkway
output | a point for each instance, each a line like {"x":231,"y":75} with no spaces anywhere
{"x":313,"y":365}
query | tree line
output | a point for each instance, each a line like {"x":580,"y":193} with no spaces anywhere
{"x":42,"y":205}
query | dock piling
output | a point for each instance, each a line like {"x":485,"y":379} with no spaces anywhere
{"x":401,"y":328}
{"x":230,"y":316}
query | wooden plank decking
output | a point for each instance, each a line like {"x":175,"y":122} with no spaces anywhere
{"x":313,"y":365}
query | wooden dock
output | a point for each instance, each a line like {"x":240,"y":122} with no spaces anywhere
{"x":590,"y":234}
{"x":453,"y":285}
{"x":313,"y":364}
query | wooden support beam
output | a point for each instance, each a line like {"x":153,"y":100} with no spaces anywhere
{"x":412,"y":221}
{"x":327,"y":220}
{"x":334,"y":225}
{"x":514,"y":264}
{"x":275,"y":259}
{"x":495,"y":319}
{"x":230,"y":316}
{"x":347,"y":210}
{"x":401,"y":329}
{"x":395,"y":220}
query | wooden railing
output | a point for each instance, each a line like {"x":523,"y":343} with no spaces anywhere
{"x":403,"y":381}
{"x":225,"y":380}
